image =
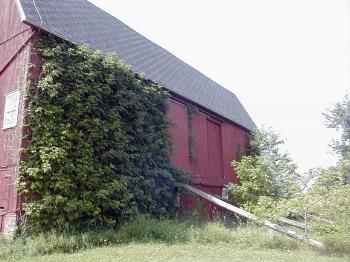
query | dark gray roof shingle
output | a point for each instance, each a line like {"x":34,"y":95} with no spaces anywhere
{"x":80,"y":22}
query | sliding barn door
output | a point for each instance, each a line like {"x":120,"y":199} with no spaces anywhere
{"x":214,"y":147}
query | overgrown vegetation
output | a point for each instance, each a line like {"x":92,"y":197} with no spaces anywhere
{"x":99,"y":144}
{"x":177,"y":235}
{"x":191,"y":112}
{"x":271,"y":188}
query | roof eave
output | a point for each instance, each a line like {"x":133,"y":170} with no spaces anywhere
{"x":20,"y":10}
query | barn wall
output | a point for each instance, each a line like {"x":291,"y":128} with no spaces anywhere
{"x":177,"y":114}
{"x":14,"y":56}
{"x":217,"y":143}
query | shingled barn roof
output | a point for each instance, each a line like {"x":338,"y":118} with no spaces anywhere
{"x":81,"y":22}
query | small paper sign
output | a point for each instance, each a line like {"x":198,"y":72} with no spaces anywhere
{"x":11,"y":110}
{"x":224,"y":193}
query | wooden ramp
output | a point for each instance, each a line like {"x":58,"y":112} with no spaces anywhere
{"x":250,"y":216}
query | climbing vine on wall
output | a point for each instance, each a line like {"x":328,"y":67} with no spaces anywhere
{"x":99,"y":143}
{"x":191,"y":112}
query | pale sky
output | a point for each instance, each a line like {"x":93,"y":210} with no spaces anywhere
{"x":286,"y":60}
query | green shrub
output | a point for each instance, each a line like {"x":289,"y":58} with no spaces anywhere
{"x":99,"y":143}
{"x":338,"y":242}
{"x":267,"y":171}
{"x":269,"y":188}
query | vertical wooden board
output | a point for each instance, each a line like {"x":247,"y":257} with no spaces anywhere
{"x":11,"y":204}
{"x":177,"y":115}
{"x":10,"y":26}
{"x":241,"y":138}
{"x":230,"y":150}
{"x":1,"y":221}
{"x":12,"y":195}
{"x":6,"y":197}
{"x":2,"y":190}
{"x":215,"y":169}
{"x":200,"y":165}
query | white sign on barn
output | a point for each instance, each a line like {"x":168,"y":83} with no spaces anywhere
{"x":11,"y":110}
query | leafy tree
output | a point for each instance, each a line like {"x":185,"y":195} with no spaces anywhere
{"x":325,"y":192}
{"x":339,"y":118}
{"x":266,"y":172}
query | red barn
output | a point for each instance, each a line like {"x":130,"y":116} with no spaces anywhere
{"x":219,"y":129}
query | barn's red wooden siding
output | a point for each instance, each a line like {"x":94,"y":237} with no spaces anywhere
{"x":217,"y":143}
{"x":14,"y":56}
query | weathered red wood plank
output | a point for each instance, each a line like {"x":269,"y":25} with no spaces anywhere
{"x":13,"y":33}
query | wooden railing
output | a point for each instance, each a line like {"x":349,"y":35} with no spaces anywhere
{"x":251,"y":217}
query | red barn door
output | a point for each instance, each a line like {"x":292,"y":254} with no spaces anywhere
{"x":214,"y":142}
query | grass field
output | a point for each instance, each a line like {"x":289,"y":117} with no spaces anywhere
{"x":186,"y":252}
{"x":145,"y":239}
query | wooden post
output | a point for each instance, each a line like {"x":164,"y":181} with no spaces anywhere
{"x":252,"y":217}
